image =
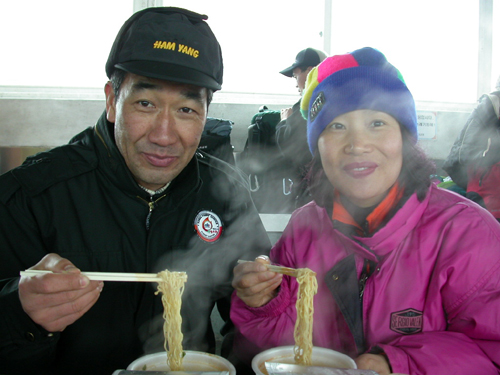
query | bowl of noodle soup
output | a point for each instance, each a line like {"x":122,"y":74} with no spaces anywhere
{"x":192,"y":361}
{"x":285,"y":354}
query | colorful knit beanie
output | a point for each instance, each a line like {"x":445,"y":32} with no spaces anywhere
{"x":362,"y":79}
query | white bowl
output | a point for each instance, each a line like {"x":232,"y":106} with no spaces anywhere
{"x":284,"y":354}
{"x":193,"y":361}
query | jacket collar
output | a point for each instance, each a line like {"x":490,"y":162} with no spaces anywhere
{"x":376,"y":218}
{"x":399,"y":226}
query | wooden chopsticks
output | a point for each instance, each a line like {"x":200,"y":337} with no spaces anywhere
{"x":279,"y":269}
{"x":106,"y":276}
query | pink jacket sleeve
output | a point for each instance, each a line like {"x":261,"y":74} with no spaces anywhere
{"x":267,"y":326}
{"x":270,"y":325}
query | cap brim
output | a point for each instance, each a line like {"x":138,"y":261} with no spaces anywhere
{"x":289,"y":71}
{"x":170,"y":72}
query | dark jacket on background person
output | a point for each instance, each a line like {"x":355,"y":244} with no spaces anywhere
{"x":81,"y":202}
{"x":478,"y":144}
{"x":474,"y":159}
{"x":291,"y":138}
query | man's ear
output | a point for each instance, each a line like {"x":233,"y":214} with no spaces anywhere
{"x":110,"y":102}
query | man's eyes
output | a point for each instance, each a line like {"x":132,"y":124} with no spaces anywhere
{"x":148,"y":104}
{"x":145,"y":103}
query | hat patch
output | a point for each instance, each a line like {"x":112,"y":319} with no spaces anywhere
{"x":318,"y":103}
{"x":208,"y":226}
{"x":181,"y":48}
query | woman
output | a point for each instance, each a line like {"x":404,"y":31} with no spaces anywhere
{"x":408,"y":274}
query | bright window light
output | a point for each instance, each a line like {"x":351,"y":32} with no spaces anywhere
{"x":434,"y":43}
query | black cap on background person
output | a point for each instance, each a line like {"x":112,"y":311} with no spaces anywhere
{"x":304,"y":61}
{"x":168,"y":43}
{"x":305,"y":58}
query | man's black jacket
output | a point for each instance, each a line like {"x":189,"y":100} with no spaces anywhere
{"x":81,"y":202}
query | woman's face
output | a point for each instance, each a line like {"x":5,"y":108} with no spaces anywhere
{"x":362,"y":155}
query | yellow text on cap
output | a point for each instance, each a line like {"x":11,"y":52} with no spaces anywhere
{"x":182,"y":48}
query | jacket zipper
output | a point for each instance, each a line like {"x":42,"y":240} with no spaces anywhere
{"x":366,"y":265}
{"x":362,"y":279}
{"x":368,"y":268}
{"x":151,"y":204}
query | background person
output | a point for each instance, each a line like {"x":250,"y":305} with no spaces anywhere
{"x":474,"y":159}
{"x":408,"y":273}
{"x":130,"y":194}
{"x":291,"y":131}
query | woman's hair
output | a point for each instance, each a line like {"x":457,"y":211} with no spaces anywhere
{"x":417,"y":168}
{"x":118,"y":76}
{"x":415,"y":175}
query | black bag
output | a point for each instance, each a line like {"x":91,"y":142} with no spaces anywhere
{"x":216,"y":139}
{"x":269,"y":176}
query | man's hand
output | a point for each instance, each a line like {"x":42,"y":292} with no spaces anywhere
{"x":254,"y":283}
{"x":55,"y":301}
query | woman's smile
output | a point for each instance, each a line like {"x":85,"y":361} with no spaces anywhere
{"x":360,"y":170}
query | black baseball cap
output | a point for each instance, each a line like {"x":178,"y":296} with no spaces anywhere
{"x":306,"y":57}
{"x":168,"y":43}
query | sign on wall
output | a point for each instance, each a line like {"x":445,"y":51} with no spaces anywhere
{"x":426,"y":125}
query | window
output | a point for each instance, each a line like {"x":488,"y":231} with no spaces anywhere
{"x":58,"y":43}
{"x":62,"y":43}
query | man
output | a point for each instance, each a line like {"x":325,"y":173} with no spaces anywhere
{"x":291,"y":132}
{"x":131,"y":194}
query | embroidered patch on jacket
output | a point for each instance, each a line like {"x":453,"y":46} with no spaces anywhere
{"x":208,"y":226}
{"x":407,"y":321}
{"x":318,"y":103}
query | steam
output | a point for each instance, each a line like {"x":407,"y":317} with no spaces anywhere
{"x":209,"y":266}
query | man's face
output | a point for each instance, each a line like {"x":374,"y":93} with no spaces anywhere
{"x":158,"y":126}
{"x":300,"y":77}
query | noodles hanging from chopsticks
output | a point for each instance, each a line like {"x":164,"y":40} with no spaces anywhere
{"x":308,"y":287}
{"x":171,"y":288}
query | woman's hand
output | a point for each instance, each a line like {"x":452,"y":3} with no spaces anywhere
{"x":375,"y":362}
{"x":254,"y":283}
{"x":57,"y":300}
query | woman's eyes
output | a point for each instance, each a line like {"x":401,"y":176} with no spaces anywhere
{"x":337,"y":125}
{"x":378,"y":123}
{"x":374,"y":123}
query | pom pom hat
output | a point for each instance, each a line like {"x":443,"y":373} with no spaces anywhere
{"x":362,"y":79}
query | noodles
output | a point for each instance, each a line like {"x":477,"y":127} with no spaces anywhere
{"x":308,"y":287}
{"x":172,"y":287}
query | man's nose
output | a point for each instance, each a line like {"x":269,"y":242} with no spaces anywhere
{"x":163,"y":131}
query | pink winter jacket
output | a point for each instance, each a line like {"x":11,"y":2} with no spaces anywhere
{"x":432,"y":303}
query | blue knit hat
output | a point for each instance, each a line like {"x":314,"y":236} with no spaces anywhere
{"x":362,"y":79}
